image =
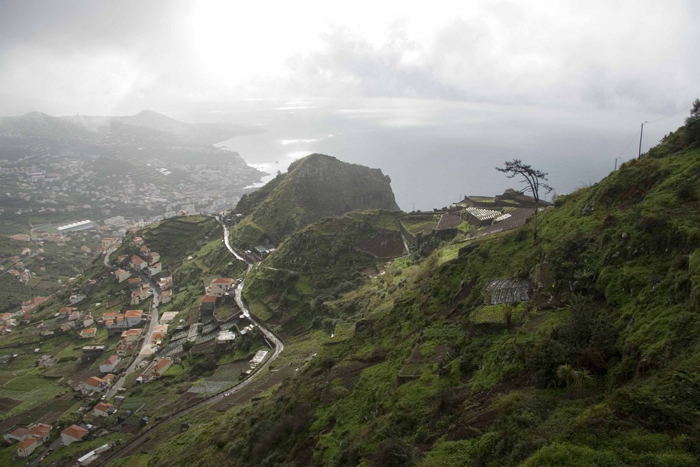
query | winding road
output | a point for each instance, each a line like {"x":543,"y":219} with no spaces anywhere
{"x":278,"y":346}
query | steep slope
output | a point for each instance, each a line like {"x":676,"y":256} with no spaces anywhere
{"x":599,"y":367}
{"x":314,"y":187}
{"x":318,"y":264}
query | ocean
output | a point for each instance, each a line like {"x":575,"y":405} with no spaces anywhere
{"x":435,"y":152}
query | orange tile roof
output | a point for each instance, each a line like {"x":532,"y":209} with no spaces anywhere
{"x":94,"y":381}
{"x":222,"y":280}
{"x":111,"y":360}
{"x":103,"y":406}
{"x":133,"y":313}
{"x":161,"y":363}
{"x":208,"y":299}
{"x":74,"y":431}
{"x":40,"y":430}
{"x":27,"y":442}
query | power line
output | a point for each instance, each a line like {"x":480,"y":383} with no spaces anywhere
{"x":671,"y":115}
{"x":634,"y":136}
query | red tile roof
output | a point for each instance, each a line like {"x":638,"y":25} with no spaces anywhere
{"x":74,"y":431}
{"x":208,"y":299}
{"x":40,"y":430}
{"x":27,"y":442}
{"x":94,"y":381}
{"x":111,"y":360}
{"x":103,"y":406}
{"x":222,"y":280}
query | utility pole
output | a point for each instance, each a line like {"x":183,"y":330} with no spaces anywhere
{"x":641,"y":133}
{"x":616,"y":163}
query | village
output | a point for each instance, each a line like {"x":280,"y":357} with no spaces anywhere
{"x":124,"y":345}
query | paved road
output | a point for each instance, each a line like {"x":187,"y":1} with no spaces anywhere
{"x":147,"y":338}
{"x":131,"y":446}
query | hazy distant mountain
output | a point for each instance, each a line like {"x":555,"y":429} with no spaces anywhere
{"x":36,"y":131}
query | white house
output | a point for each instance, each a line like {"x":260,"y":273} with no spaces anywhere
{"x":103,"y":409}
{"x":122,"y":275}
{"x":88,"y":321}
{"x":219,"y":287}
{"x":166,"y":296}
{"x":41,"y":431}
{"x":72,"y":434}
{"x":110,"y":364}
{"x":93,"y":385}
{"x":138,"y":263}
{"x":133,"y":318}
{"x":155,"y":269}
{"x":26,"y":447}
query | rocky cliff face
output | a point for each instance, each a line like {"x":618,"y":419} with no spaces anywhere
{"x":326,"y":186}
{"x":314,"y":187}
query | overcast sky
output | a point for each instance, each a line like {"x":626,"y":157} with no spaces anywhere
{"x":115,"y":57}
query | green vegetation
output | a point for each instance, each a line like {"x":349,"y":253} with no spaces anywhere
{"x":315,"y":187}
{"x":599,"y":367}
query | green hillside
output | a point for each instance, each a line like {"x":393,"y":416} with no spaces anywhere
{"x":598,"y":368}
{"x":316,"y":265}
{"x":314,"y":187}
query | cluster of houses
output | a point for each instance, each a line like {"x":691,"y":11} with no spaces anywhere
{"x":219,"y":290}
{"x":28,"y":438}
{"x":117,"y":322}
{"x":98,"y":384}
{"x":483,"y":211}
{"x":10,"y":321}
{"x":72,"y":318}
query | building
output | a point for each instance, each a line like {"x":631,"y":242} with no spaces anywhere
{"x":153,"y":257}
{"x":88,"y":320}
{"x":122,"y":275}
{"x":166,"y":296}
{"x":155,"y":269}
{"x":117,"y":323}
{"x":76,"y":226}
{"x":206,"y":306}
{"x":131,"y":336}
{"x":165,"y":283}
{"x":168,"y":316}
{"x":74,"y":316}
{"x":76,"y":298}
{"x":155,"y":370}
{"x":18,"y":434}
{"x":138,"y":263}
{"x":41,"y":431}
{"x":110,"y":364}
{"x":225,"y":338}
{"x":159,"y":332}
{"x":88,"y":333}
{"x":135,"y":284}
{"x":72,"y":434}
{"x":220,"y":287}
{"x":142,"y":295}
{"x":91,"y":353}
{"x":103,"y":409}
{"x":93,"y":385}
{"x":26,"y":447}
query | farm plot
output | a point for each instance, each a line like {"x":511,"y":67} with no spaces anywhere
{"x":382,"y":245}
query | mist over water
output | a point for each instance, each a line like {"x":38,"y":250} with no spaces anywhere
{"x":436,"y":151}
